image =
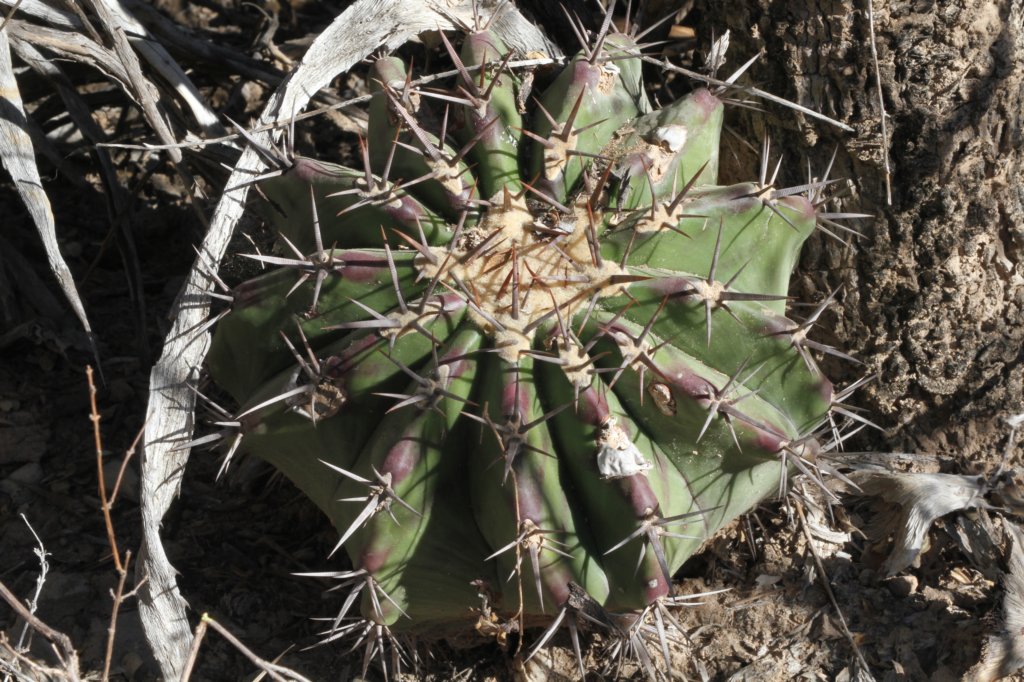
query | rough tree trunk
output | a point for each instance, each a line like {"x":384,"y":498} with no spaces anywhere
{"x":933,"y":295}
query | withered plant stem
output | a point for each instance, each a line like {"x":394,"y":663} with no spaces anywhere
{"x":61,"y":641}
{"x":94,"y":417}
{"x":119,"y":597}
{"x":276,"y":672}
{"x":129,"y":453}
{"x":193,"y":651}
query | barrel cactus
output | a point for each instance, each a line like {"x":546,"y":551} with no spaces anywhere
{"x":531,"y":355}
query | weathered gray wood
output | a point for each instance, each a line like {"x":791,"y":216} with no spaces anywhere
{"x":158,"y":58}
{"x":43,"y":10}
{"x":18,"y":157}
{"x":71,"y":45}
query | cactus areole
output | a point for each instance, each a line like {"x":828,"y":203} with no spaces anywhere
{"x":531,"y":353}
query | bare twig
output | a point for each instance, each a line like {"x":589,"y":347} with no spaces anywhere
{"x":106,"y":503}
{"x":44,"y":568}
{"x":119,"y":597}
{"x":11,"y":661}
{"x":276,"y":672}
{"x":61,"y":641}
{"x":129,"y":453}
{"x":193,"y":651}
{"x":10,"y":13}
{"x":881,"y":104}
{"x":94,"y":416}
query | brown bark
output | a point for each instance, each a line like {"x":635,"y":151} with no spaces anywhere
{"x":932,"y":297}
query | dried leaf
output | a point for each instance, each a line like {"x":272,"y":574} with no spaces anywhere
{"x":716,"y":56}
{"x":1002,"y":654}
{"x":922,"y":498}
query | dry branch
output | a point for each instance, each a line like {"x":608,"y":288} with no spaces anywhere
{"x":18,"y":155}
{"x":63,"y":645}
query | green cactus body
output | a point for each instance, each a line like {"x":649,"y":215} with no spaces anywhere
{"x":546,"y":352}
